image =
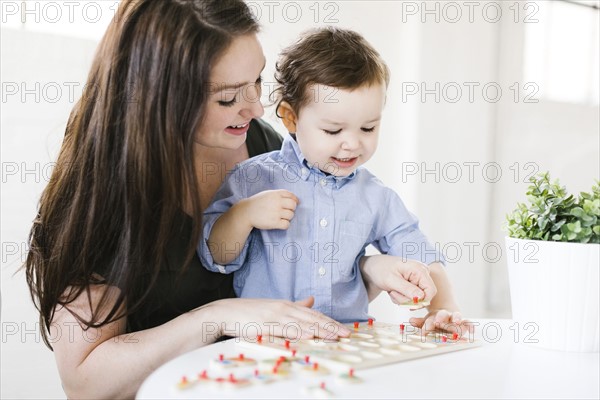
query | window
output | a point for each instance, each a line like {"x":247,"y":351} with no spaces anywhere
{"x":84,"y":19}
{"x":561,"y":51}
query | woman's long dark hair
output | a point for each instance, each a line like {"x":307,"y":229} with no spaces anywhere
{"x":126,"y":165}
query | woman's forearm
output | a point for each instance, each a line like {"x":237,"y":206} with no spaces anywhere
{"x":116,"y":364}
{"x":96,"y":363}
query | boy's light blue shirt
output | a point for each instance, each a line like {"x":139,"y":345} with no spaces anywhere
{"x":336,"y":219}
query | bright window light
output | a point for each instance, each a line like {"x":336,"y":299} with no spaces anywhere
{"x":84,"y":19}
{"x":561,"y":52}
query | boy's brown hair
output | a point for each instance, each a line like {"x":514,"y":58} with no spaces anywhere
{"x":333,"y":57}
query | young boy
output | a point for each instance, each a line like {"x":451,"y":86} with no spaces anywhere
{"x":294,"y":223}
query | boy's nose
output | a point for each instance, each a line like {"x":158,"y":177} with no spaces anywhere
{"x":350,"y":142}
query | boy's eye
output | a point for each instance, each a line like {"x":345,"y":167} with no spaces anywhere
{"x":368,"y":129}
{"x":332,"y":132}
{"x":228,"y":103}
{"x":259,"y":80}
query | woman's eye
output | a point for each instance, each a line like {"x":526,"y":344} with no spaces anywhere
{"x":259,"y":80}
{"x":368,"y":129}
{"x":228,"y":103}
{"x":332,"y":132}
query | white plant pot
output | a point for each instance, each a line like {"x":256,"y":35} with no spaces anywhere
{"x":554,"y":293}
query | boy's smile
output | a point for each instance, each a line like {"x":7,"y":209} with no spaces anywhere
{"x":344,"y":162}
{"x":340,"y":133}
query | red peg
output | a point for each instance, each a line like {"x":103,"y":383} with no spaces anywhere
{"x":259,"y":338}
{"x":316,"y":366}
{"x":455,"y":336}
{"x":231,"y":378}
{"x":221,"y":357}
{"x":356,"y":325}
{"x":204,"y":375}
{"x":401,"y":327}
{"x":184,"y":379}
{"x":256,"y":373}
{"x":287,"y":344}
{"x":293,"y":353}
{"x":306,"y":358}
{"x":351,"y":372}
{"x":370,"y":321}
{"x":416,"y":300}
{"x":444,"y":338}
{"x":241,"y":356}
{"x":322,"y":385}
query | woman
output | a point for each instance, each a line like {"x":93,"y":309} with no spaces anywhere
{"x":171,"y":96}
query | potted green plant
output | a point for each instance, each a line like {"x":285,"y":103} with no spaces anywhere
{"x":553,"y":262}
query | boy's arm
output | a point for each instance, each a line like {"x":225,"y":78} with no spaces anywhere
{"x":398,"y":233}
{"x":444,"y":298}
{"x":402,"y":269}
{"x":405,"y":239}
{"x":231,"y":192}
{"x":443,"y":312}
{"x":270,"y":209}
{"x":229,"y":234}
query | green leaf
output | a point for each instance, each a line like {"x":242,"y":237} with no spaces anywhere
{"x":557,"y":225}
{"x":588,"y":219}
{"x":574,"y":227}
{"x":557,"y":237}
{"x":577,"y":212}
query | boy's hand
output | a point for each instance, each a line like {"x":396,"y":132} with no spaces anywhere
{"x":270,"y":209}
{"x":409,"y":279}
{"x":443,"y":312}
{"x":401,"y":279}
{"x":444,"y":321}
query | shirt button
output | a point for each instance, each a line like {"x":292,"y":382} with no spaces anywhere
{"x":322,"y":271}
{"x":323,"y":223}
{"x":323,"y":182}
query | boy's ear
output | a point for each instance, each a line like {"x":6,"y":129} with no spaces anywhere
{"x":287,"y":115}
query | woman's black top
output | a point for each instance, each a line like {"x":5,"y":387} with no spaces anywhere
{"x":175,"y":292}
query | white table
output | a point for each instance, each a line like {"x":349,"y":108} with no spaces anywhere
{"x":501,"y":368}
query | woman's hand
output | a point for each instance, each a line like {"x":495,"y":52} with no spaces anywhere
{"x":292,"y":320}
{"x":443,"y":321}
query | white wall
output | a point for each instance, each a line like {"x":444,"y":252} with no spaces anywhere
{"x":37,"y":71}
{"x":417,"y":133}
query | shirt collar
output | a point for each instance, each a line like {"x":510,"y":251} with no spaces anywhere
{"x":292,"y":154}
